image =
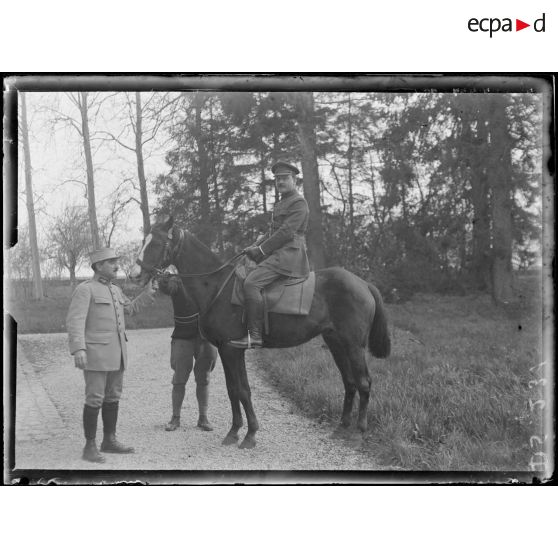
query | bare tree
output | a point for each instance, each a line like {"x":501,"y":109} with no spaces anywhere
{"x":81,"y":102}
{"x":141,"y":168}
{"x":85,"y":103}
{"x":127,"y":252}
{"x":20,"y":260}
{"x":117,"y":206}
{"x":70,"y":239}
{"x":37,"y":281}
{"x":144,"y":120}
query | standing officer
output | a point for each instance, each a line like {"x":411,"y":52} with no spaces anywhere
{"x":97,"y":339}
{"x":281,"y":253}
{"x":187,"y":346}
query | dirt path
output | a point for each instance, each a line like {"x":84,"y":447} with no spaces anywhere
{"x":286,"y":440}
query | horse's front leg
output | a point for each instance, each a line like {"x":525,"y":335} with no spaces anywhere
{"x":245,"y":396}
{"x":232,"y":380}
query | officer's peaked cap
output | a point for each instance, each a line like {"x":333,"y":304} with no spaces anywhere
{"x":282,"y":167}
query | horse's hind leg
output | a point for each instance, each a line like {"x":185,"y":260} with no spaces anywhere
{"x":361,"y":377}
{"x":233,"y":388}
{"x":344,"y":364}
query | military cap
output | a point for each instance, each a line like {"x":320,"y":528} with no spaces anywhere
{"x":282,"y":167}
{"x":102,"y":254}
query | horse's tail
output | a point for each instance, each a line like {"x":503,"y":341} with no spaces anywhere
{"x":379,"y":341}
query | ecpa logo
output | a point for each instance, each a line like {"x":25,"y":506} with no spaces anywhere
{"x":492,"y":25}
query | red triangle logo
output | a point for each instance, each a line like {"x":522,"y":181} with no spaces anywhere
{"x":519,"y":25}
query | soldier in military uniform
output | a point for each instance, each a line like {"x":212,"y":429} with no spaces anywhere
{"x":281,"y":253}
{"x":97,"y":340}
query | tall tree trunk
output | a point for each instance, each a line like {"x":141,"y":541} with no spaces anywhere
{"x":218,"y":220}
{"x":263,"y":188}
{"x":311,"y":178}
{"x":275,"y":152}
{"x":480,"y":197}
{"x":141,"y":168}
{"x":72,"y":270}
{"x":89,"y":169}
{"x":500,"y":167}
{"x":262,"y":163}
{"x":350,"y":177}
{"x":203,"y":186}
{"x":37,"y":281}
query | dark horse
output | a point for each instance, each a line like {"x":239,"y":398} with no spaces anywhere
{"x":347,"y":311}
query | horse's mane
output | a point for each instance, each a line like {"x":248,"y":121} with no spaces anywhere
{"x":199,"y":257}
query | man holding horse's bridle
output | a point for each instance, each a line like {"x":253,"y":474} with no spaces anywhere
{"x":97,"y":339}
{"x":280,"y":253}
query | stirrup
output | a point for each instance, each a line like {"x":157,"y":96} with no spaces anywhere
{"x":241,"y":343}
{"x":250,"y":345}
{"x":245,"y":343}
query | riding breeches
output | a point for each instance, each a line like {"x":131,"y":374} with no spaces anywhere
{"x":257,"y":280}
{"x":183,"y":353}
{"x":102,"y":387}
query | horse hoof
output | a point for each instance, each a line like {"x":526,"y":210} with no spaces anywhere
{"x":248,"y":443}
{"x":229,"y":440}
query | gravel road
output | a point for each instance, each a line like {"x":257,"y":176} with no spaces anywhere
{"x":286,"y":441}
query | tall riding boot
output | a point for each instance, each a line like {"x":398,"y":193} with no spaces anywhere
{"x":90,"y":451}
{"x":177,"y":397}
{"x":110,"y":444}
{"x":202,"y":395}
{"x":254,"y":314}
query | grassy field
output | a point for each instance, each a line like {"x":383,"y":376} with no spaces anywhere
{"x":49,"y":315}
{"x":456,"y":394}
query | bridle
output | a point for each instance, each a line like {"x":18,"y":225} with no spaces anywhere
{"x":169,"y":255}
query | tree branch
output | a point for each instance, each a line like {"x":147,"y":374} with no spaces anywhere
{"x":113,"y":137}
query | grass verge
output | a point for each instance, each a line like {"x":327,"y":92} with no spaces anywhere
{"x":457,"y":392}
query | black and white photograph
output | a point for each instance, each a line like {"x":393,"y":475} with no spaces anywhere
{"x":278,"y":279}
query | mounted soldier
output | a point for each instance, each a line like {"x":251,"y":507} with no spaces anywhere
{"x":280,"y":253}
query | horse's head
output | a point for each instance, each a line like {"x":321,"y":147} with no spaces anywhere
{"x":156,"y":253}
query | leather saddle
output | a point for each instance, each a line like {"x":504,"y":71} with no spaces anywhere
{"x":293,"y":296}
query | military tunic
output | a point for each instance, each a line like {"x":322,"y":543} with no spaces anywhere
{"x":285,"y":243}
{"x":95,"y":323}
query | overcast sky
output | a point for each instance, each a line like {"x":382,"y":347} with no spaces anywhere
{"x":58,"y":163}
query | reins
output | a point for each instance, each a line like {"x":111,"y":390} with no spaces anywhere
{"x":158,"y":271}
{"x":198,"y":315}
{"x":206,"y":274}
